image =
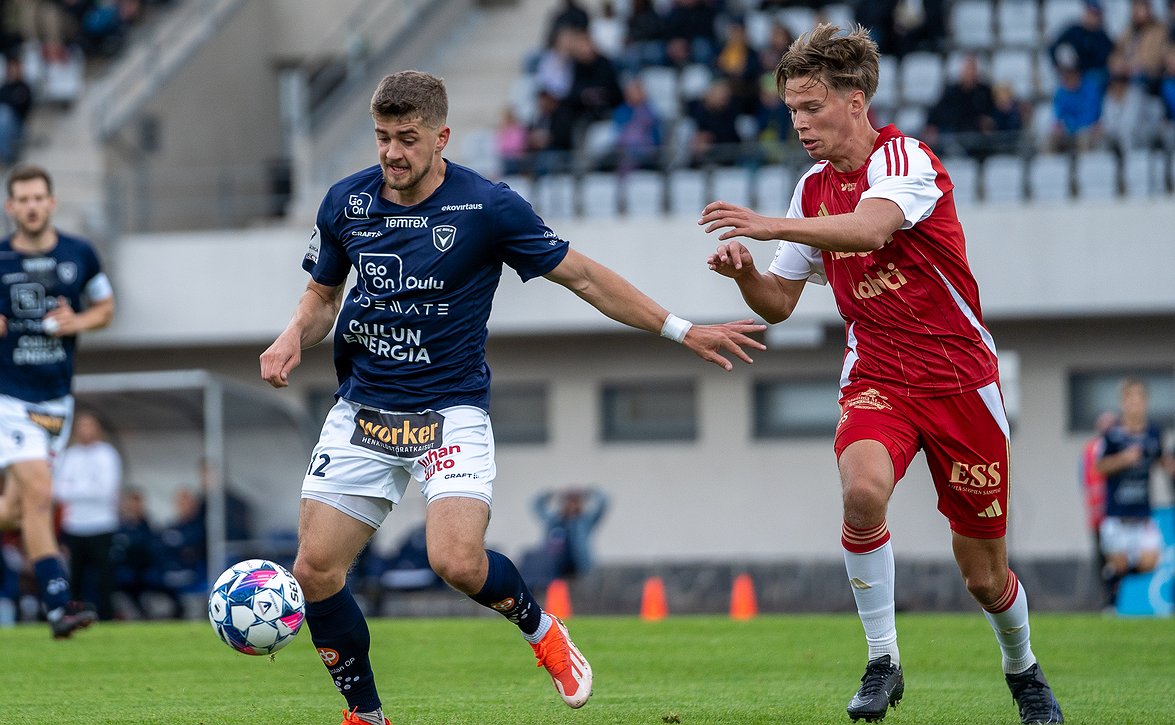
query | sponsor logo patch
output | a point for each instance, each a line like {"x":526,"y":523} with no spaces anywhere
{"x":404,"y":435}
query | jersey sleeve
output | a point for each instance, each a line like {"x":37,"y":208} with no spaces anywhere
{"x":797,"y":261}
{"x":325,"y":258}
{"x":901,"y":171}
{"x":524,"y":242}
{"x":96,"y":286}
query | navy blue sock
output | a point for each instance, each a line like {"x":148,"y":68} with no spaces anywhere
{"x":340,"y":633}
{"x":52,"y":581}
{"x":506,"y":593}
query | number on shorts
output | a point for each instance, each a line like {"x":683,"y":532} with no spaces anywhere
{"x":324,"y":459}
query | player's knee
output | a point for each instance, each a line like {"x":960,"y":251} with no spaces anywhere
{"x":864,"y":498}
{"x":985,"y":587}
{"x":318,"y":580}
{"x":462,"y":572}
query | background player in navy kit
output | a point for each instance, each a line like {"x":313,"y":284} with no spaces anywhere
{"x":428,"y":239}
{"x":1131,"y":449}
{"x":51,"y":288}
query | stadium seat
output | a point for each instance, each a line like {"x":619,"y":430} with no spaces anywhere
{"x":970,"y":24}
{"x":922,"y":77}
{"x":1003,"y":178}
{"x":687,"y":192}
{"x":641,"y":193}
{"x":964,"y":173}
{"x":758,"y":25}
{"x":1049,"y":177}
{"x":1143,"y":173}
{"x":1046,"y":75}
{"x":911,"y":120}
{"x":599,"y":142}
{"x":1116,"y":15}
{"x":520,"y":184}
{"x":524,"y":98}
{"x":1015,"y":68}
{"x":598,"y":192}
{"x":1097,"y":175}
{"x":840,"y":14}
{"x":1056,"y":15}
{"x":733,"y":185}
{"x":695,"y":79}
{"x":661,"y":86}
{"x":553,"y":196}
{"x":798,"y":20}
{"x":1018,"y":23}
{"x":773,"y":186}
{"x":887,"y":95}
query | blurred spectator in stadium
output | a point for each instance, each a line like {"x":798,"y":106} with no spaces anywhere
{"x":87,"y":480}
{"x":607,"y":31}
{"x":1131,"y":450}
{"x":137,"y":556}
{"x":1009,"y":113}
{"x":778,"y":41}
{"x":738,"y":63}
{"x":569,"y":517}
{"x":569,"y":14}
{"x":16,"y":101}
{"x":238,"y":512}
{"x":510,"y":143}
{"x":880,"y":17}
{"x":550,"y":136}
{"x":184,"y":544}
{"x":52,"y":288}
{"x":962,"y":120}
{"x":637,"y":130}
{"x":716,"y":140}
{"x":1093,"y":487}
{"x":43,"y":22}
{"x":552,"y":72}
{"x":1084,"y":45}
{"x":921,"y":27}
{"x":595,"y":85}
{"x":1077,"y":106}
{"x":1141,"y":46}
{"x":1167,"y":95}
{"x":11,"y":566}
{"x":644,"y":36}
{"x":692,"y":22}
{"x":1130,"y":116}
{"x":773,"y":122}
{"x":407,"y":567}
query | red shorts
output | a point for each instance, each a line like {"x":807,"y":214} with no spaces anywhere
{"x":965,"y":438}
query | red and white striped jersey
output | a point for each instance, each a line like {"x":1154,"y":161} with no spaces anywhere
{"x":911,"y":308}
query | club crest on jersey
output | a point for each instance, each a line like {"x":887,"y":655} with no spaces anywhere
{"x":358,"y":205}
{"x":443,"y":236}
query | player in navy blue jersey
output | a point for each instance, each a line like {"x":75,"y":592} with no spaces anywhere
{"x":51,"y":289}
{"x":1131,"y":450}
{"x":428,"y":239}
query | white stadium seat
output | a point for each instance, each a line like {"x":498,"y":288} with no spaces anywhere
{"x":599,"y":195}
{"x":1003,"y":178}
{"x":773,"y":186}
{"x":1018,"y":23}
{"x":923,"y":77}
{"x":964,"y":173}
{"x":1015,"y":68}
{"x":687,"y":192}
{"x":971,"y":23}
{"x":1056,"y":15}
{"x":661,"y":87}
{"x":733,"y":185}
{"x":1097,"y":175}
{"x":641,"y":193}
{"x":1048,"y":177}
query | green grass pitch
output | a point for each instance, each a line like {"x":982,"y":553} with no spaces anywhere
{"x":685,"y":669}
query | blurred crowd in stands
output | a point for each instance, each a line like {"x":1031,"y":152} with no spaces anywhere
{"x":47,"y":45}
{"x":656,"y":84}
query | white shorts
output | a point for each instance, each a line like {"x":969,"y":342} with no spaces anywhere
{"x":365,"y":457}
{"x":1130,"y":537}
{"x":33,"y":431}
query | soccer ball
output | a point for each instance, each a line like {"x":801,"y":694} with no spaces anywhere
{"x":256,"y":607}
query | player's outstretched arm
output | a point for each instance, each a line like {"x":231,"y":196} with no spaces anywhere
{"x":313,"y":319}
{"x":770,"y":296}
{"x":617,"y":298}
{"x":866,"y":228}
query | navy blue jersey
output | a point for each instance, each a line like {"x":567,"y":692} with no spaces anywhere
{"x":34,"y":366}
{"x":411,"y":333}
{"x":1128,"y":490}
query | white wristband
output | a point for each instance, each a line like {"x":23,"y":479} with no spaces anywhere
{"x":675,"y":328}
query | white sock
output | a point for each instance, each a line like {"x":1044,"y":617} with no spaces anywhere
{"x":872,"y":578}
{"x":1012,"y":632}
{"x":544,"y":625}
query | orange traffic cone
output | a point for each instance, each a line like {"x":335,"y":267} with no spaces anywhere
{"x":742,"y":598}
{"x":653,"y":606}
{"x":558,"y":599}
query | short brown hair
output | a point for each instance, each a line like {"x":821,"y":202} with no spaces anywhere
{"x":842,"y":61}
{"x":411,"y":94}
{"x":28,"y":172}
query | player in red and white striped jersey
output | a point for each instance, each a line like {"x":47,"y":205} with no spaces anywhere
{"x":875,"y":219}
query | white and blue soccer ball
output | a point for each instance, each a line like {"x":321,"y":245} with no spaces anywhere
{"x":256,"y":607}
